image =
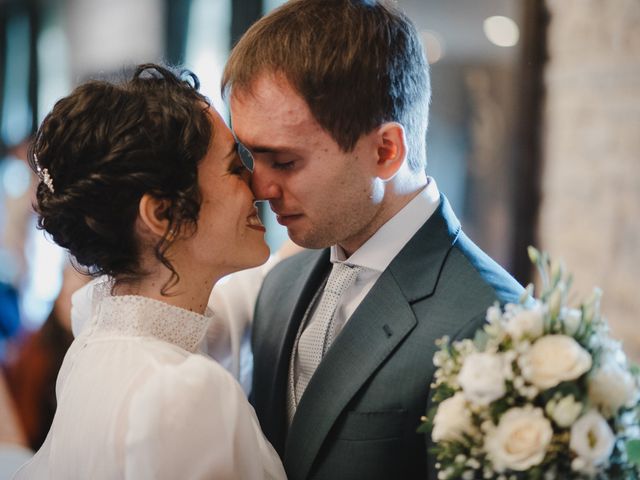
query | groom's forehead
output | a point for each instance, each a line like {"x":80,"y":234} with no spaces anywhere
{"x":269,"y":104}
{"x":267,"y":88}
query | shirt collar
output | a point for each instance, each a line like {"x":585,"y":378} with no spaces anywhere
{"x":383,"y":246}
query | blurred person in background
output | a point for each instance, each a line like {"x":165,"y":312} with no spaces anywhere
{"x":33,"y":361}
{"x":17,"y":184}
{"x":17,"y":188}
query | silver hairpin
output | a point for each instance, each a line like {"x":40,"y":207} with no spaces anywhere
{"x":47,"y":180}
{"x":43,"y":173}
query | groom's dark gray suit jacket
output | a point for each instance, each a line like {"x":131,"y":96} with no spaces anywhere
{"x":358,"y":416}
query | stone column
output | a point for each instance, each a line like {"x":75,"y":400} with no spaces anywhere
{"x":590,"y":212}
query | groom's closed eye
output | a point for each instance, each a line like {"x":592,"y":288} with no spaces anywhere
{"x":283,"y":165}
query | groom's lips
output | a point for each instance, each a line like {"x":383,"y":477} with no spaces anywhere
{"x":287,"y":219}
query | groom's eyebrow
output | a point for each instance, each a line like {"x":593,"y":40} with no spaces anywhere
{"x":270,"y":149}
{"x":263,"y":149}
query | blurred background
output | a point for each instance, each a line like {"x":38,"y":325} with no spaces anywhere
{"x":534,"y":136}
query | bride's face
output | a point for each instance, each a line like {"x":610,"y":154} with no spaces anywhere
{"x":229,"y":235}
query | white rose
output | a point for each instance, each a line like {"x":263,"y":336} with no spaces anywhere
{"x":592,"y":439}
{"x":611,"y":386}
{"x":520,"y":440}
{"x":452,"y":419}
{"x":527,"y":322}
{"x":564,"y":411}
{"x":553,"y":359}
{"x":494,"y":314}
{"x":482,"y":378}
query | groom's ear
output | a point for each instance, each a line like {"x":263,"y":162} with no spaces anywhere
{"x":153,"y":213}
{"x":391,"y":149}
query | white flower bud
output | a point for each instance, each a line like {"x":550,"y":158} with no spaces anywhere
{"x":494,"y":314}
{"x":564,"y":411}
{"x":571,"y":319}
{"x":592,"y":306}
{"x":473,"y":463}
{"x":518,"y":382}
{"x":578,"y":464}
{"x":557,"y":269}
{"x":555,"y":301}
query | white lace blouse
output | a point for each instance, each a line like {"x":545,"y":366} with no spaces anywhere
{"x":136,"y":402}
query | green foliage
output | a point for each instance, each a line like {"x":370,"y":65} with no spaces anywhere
{"x":427,"y":421}
{"x":633,"y":451}
{"x":480,"y":340}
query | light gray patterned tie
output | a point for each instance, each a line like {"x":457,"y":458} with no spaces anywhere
{"x":318,"y":335}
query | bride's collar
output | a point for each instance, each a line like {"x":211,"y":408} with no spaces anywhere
{"x":142,"y":316}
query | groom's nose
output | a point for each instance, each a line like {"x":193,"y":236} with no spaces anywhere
{"x":263,"y":184}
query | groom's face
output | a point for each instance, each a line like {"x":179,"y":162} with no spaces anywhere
{"x":320,"y":193}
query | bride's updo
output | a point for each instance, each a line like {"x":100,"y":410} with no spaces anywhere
{"x":106,"y":145}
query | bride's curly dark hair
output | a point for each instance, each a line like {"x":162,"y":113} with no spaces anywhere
{"x":105,"y":146}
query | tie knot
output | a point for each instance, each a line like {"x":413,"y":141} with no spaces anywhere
{"x":342,"y":276}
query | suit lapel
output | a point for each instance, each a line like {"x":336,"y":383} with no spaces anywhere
{"x":377,"y":327}
{"x":381,"y":321}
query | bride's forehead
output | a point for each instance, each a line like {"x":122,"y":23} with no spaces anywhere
{"x":219,"y":129}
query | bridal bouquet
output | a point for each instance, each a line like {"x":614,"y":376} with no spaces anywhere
{"x":542,"y":392}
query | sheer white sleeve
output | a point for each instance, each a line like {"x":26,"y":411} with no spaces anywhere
{"x":232,"y":301}
{"x":192,"y":421}
{"x":83,"y":301}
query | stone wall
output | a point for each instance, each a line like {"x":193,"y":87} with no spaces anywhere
{"x":590,"y":212}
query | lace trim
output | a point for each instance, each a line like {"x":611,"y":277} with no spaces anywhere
{"x":145,"y":317}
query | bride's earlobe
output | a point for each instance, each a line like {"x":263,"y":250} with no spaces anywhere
{"x":153,"y":213}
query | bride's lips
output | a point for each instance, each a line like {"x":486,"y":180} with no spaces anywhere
{"x":253,"y":222}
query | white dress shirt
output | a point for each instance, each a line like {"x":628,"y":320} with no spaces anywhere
{"x":375,"y":255}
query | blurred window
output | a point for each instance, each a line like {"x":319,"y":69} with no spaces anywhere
{"x":54,"y":79}
{"x":16,"y":108}
{"x":268,"y":5}
{"x":208,"y":44}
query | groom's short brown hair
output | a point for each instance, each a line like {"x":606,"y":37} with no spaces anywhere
{"x":356,"y":63}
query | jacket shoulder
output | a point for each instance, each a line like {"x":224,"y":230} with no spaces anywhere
{"x":479,"y":273}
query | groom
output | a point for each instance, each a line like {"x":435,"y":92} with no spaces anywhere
{"x":332,"y":97}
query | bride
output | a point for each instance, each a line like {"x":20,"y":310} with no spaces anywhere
{"x":143,"y":182}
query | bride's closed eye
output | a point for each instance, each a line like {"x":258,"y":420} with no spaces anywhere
{"x":238,"y":169}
